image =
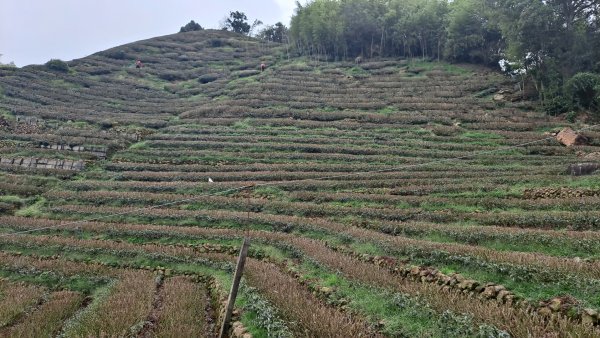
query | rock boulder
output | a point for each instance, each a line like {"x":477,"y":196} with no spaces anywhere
{"x":569,"y":138}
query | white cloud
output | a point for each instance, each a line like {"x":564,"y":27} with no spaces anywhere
{"x":287,"y":9}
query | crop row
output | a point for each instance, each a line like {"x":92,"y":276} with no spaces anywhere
{"x":264,"y":155}
{"x":448,"y":251}
{"x":503,"y":316}
{"x":280,"y":140}
{"x":122,"y":307}
{"x":427,"y":149}
{"x":16,"y":299}
{"x":431,"y":170}
{"x":576,"y":220}
{"x":401,"y":175}
{"x":294,"y":299}
{"x":393,"y":187}
{"x":430,"y":151}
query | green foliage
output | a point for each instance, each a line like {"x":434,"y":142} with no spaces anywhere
{"x":262,"y":314}
{"x":207,"y":78}
{"x":346,"y":29}
{"x":139,"y":145}
{"x":549,"y":40}
{"x":571,"y":116}
{"x":582,"y":89}
{"x":191,"y":26}
{"x":237,"y":22}
{"x":471,"y":37}
{"x":33,"y":210}
{"x":556,"y":105}
{"x":275,"y":33}
{"x":459,"y":326}
{"x":57,"y":65}
{"x":243,"y":124}
{"x":11,"y":199}
{"x":117,"y":54}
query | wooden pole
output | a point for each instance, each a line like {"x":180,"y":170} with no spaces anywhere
{"x":237,"y":276}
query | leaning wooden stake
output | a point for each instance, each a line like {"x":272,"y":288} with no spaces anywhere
{"x":234,"y":287}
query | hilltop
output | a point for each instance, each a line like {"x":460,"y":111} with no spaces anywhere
{"x":391,"y":197}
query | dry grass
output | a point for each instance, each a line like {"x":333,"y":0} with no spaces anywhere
{"x":48,"y":319}
{"x":297,"y":304}
{"x":184,"y":309}
{"x":61,"y":266}
{"x":15,"y":299}
{"x":126,"y":306}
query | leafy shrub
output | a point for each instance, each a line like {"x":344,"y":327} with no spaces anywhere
{"x":106,"y":124}
{"x":246,"y":73}
{"x":58,"y":65}
{"x":570,"y":116}
{"x":206,"y":78}
{"x":172,"y":76}
{"x":191,"y":26}
{"x":557,"y":105}
{"x":116,"y":54}
{"x":266,"y":315}
{"x":583,"y":90}
{"x":216,"y":43}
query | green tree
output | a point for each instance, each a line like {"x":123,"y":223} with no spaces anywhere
{"x":471,"y":35}
{"x":237,"y":22}
{"x":275,"y":33}
{"x":583,"y":90}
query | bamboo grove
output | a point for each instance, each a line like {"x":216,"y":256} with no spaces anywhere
{"x":545,"y":42}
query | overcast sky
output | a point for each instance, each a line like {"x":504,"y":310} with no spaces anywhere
{"x":35,"y":31}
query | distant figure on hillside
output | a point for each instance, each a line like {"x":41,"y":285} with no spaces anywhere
{"x":138,"y":64}
{"x":358,"y":59}
{"x":262,"y":67}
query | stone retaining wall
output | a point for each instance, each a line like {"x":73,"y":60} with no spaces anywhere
{"x":580,"y":169}
{"x":564,"y":305}
{"x":43,"y":163}
{"x":95,"y":150}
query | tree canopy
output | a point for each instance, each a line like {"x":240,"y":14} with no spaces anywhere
{"x":274,"y":33}
{"x":550,"y":40}
{"x":237,"y":22}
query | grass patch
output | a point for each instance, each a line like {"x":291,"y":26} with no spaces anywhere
{"x":55,"y":281}
{"x":399,"y":315}
{"x":387,"y":110}
{"x":139,"y":145}
{"x":481,"y":135}
{"x":12,"y":199}
{"x":33,"y":210}
{"x":7,"y":115}
{"x":243,"y":124}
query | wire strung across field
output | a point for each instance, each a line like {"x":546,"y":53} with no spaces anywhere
{"x":93,"y":219}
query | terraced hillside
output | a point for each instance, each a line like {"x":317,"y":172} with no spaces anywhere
{"x":390,"y":198}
